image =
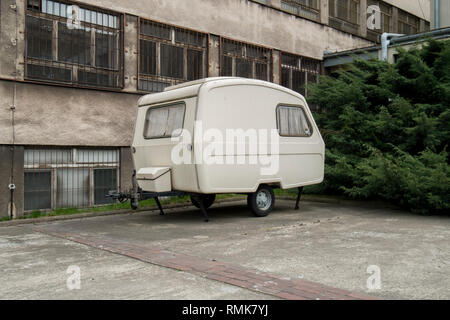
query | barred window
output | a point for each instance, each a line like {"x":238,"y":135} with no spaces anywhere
{"x":407,"y":23}
{"x":297,"y":72}
{"x":169,"y":55}
{"x":69,"y":177}
{"x":244,"y":60}
{"x":306,"y":8}
{"x":72,"y":44}
{"x":344,"y":15}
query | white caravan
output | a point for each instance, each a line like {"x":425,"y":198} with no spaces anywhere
{"x":226,"y":135}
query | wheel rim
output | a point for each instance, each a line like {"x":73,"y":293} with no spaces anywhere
{"x":263,"y":200}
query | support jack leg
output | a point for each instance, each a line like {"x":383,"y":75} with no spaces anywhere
{"x":202,"y":207}
{"x":161,"y":211}
{"x":299,"y":195}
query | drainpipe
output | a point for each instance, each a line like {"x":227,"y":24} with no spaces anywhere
{"x":436,"y":14}
{"x":12,"y":187}
{"x":385,"y":41}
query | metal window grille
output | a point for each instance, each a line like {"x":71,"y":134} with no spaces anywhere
{"x":69,"y":177}
{"x":297,"y":72}
{"x":306,"y":8}
{"x":72,"y":44}
{"x":344,"y":15}
{"x":407,"y":23}
{"x":240,"y":59}
{"x":170,"y":55}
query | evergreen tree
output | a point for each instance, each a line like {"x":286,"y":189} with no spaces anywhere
{"x":386,"y":129}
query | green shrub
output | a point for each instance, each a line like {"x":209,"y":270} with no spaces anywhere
{"x":386,"y":129}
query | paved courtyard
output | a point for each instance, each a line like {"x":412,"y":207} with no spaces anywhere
{"x":322,"y":251}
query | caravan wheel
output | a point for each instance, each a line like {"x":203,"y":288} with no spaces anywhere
{"x":262,"y":201}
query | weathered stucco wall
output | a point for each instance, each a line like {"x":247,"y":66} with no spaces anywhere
{"x":10,"y":159}
{"x":49,"y":115}
{"x":12,"y":44}
{"x":444,"y":14}
{"x":242,"y":20}
{"x":420,"y":8}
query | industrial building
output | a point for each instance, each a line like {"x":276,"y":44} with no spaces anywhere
{"x":71,"y":73}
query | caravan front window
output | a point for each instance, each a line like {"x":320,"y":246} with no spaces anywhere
{"x":165,"y":121}
{"x":292,"y":122}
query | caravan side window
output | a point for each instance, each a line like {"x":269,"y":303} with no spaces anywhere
{"x":161,"y":122}
{"x":293,"y":122}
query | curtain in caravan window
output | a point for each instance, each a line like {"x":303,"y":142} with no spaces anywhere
{"x":283,"y":119}
{"x":162,"y":122}
{"x":175,"y":120}
{"x":295,"y":121}
{"x":157,"y":122}
{"x":292,"y":122}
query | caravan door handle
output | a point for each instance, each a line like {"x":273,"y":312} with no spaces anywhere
{"x":189,"y":147}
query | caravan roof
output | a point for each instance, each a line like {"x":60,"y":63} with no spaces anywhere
{"x":192,"y":88}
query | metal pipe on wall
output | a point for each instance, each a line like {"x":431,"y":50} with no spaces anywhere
{"x":385,"y":42}
{"x":436,"y":14}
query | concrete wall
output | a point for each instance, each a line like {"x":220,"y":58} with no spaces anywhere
{"x":5,"y":179}
{"x":51,"y":115}
{"x":242,"y":20}
{"x":12,"y":44}
{"x":444,"y":14}
{"x":419,"y":8}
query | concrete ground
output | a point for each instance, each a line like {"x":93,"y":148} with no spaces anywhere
{"x":330,"y":244}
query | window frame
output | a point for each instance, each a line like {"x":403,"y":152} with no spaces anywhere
{"x":302,"y":65}
{"x":334,"y":12}
{"x":302,"y":108}
{"x":407,"y":22}
{"x":298,"y":9}
{"x":39,"y":171}
{"x":48,"y":159}
{"x":115,"y":25}
{"x":168,"y":105}
{"x":245,"y":54}
{"x":158,"y":80}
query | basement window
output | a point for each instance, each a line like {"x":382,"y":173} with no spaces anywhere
{"x":38,"y":190}
{"x":69,"y":177}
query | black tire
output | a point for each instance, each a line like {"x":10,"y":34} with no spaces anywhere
{"x":262,"y":201}
{"x":208,"y":200}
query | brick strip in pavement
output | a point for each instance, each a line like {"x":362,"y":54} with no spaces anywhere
{"x":247,"y":278}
